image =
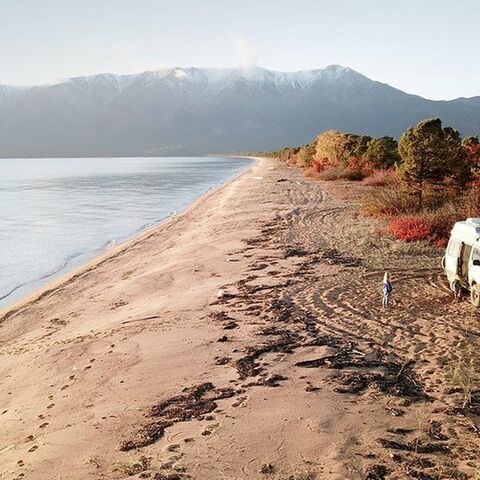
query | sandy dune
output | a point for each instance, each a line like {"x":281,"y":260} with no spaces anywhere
{"x":134,"y":368}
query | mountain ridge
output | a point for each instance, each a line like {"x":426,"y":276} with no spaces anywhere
{"x":192,"y":110}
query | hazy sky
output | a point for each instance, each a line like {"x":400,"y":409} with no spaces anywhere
{"x":428,"y":47}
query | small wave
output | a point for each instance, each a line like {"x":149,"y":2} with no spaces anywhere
{"x":68,"y":260}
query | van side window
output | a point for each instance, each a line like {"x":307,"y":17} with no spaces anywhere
{"x":453,"y":248}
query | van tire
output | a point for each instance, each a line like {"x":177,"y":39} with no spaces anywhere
{"x":444,"y":262}
{"x":475,"y":295}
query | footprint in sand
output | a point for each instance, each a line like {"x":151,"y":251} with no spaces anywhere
{"x":58,"y":322}
{"x":43,"y":425}
{"x":32,"y":449}
{"x":51,"y":405}
{"x":240,"y":402}
{"x":118,"y":304}
{"x":173,"y":447}
{"x":209,"y":429}
{"x":167,"y":465}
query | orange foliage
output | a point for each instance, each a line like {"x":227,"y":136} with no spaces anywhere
{"x":434,"y":228}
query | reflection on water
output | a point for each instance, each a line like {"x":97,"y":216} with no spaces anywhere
{"x":58,"y":213}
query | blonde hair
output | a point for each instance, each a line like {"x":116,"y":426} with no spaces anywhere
{"x":386,"y":277}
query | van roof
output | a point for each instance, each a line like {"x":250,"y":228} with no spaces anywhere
{"x":468,"y":230}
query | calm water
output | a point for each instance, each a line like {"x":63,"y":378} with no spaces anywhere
{"x":60,"y":213}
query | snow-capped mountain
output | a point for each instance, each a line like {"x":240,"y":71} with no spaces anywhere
{"x":175,"y":111}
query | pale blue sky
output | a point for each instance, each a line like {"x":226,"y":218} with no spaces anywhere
{"x":428,"y":47}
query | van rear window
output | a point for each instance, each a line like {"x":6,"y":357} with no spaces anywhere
{"x":453,"y":247}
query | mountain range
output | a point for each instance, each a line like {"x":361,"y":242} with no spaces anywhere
{"x":193,"y":111}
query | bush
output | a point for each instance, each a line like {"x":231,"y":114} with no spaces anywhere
{"x":394,"y":200}
{"x":411,"y":229}
{"x":305,"y":155}
{"x":433,"y":227}
{"x":388,"y":201}
{"x":315,"y":170}
{"x":340,"y":173}
{"x":381,"y":178}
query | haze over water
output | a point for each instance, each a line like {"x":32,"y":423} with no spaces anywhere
{"x":60,"y":213}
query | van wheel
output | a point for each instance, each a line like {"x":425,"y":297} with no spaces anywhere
{"x":475,"y":295}
{"x":456,"y":288}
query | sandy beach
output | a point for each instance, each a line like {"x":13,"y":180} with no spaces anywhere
{"x":136,"y":367}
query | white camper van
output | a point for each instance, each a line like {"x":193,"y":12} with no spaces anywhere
{"x":462,"y":258}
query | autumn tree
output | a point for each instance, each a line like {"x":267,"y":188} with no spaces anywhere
{"x":306,"y":155}
{"x":361,"y":145}
{"x":329,"y":148}
{"x":382,"y":153}
{"x":431,"y":154}
{"x":335,"y":149}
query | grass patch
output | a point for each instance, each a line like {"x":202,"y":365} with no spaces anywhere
{"x":464,"y":375}
{"x":388,"y":202}
{"x":381,"y":178}
{"x":340,"y":173}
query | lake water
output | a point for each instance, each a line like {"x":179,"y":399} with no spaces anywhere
{"x":59,"y":213}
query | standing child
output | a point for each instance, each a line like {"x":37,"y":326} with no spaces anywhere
{"x":387,"y":289}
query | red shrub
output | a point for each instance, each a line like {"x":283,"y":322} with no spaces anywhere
{"x":321,"y":164}
{"x":434,"y":228}
{"x":411,"y":229}
{"x":356,"y":164}
{"x":317,"y":167}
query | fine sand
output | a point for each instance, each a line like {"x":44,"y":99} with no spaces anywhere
{"x":134,"y":367}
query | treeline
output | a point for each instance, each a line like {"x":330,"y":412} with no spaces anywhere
{"x":427,"y":181}
{"x":352,"y":156}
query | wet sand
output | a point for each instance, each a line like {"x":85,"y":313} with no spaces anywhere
{"x":135,"y":368}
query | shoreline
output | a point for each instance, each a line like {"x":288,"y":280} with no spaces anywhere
{"x":98,"y":259}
